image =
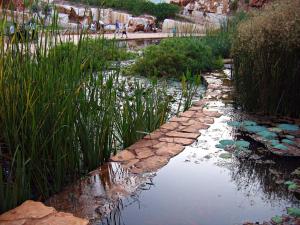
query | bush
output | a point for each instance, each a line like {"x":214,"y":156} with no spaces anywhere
{"x":266,"y":54}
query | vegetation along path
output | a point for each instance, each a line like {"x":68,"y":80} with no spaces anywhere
{"x":222,"y":173}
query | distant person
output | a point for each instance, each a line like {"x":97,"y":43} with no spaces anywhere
{"x":93,"y":27}
{"x":124,"y":31}
{"x":117,"y":31}
{"x":174,"y":31}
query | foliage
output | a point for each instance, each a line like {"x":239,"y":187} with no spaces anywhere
{"x":173,"y":57}
{"x":138,"y":7}
{"x":266,"y":54}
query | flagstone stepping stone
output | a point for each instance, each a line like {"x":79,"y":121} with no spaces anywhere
{"x":188,"y":113}
{"x":36,"y":213}
{"x":183,"y":135}
{"x":152,"y":164}
{"x":142,"y":153}
{"x":182,"y":141}
{"x":212,"y":113}
{"x":155,"y":134}
{"x":196,"y":108}
{"x":143,"y":143}
{"x":169,"y":149}
{"x":130,"y":163}
{"x":206,"y":120}
{"x":124,"y":155}
{"x":170,"y":125}
{"x":179,"y":119}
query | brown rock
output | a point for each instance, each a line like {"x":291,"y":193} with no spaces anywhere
{"x":183,"y":135}
{"x":179,"y":119}
{"x":143,"y":143}
{"x":196,"y":108}
{"x":124,"y":155}
{"x":154,"y":135}
{"x":59,"y":218}
{"x":130,"y":163}
{"x":152,"y":163}
{"x":182,"y":141}
{"x":142,"y":153}
{"x":206,"y":120}
{"x":169,"y":149}
{"x":170,"y":126}
{"x":212,"y":113}
{"x":28,"y":210}
{"x":189,"y":114}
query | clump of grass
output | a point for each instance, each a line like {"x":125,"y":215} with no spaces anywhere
{"x":266,"y":59}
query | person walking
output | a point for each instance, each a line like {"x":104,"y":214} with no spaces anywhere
{"x":117,"y":31}
{"x":124,"y":31}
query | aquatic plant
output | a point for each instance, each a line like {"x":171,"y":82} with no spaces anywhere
{"x":266,"y":60}
{"x":63,"y":114}
{"x":293,"y":211}
{"x":288,"y":127}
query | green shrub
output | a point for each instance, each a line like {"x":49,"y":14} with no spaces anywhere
{"x":266,"y":54}
{"x":173,"y":57}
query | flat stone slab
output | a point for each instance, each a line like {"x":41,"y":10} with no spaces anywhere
{"x":36,"y":213}
{"x":143,"y":143}
{"x":183,"y":135}
{"x":182,"y":141}
{"x":142,"y":153}
{"x":124,"y":155}
{"x":170,"y":125}
{"x":152,"y":164}
{"x":179,"y":119}
{"x":169,"y":149}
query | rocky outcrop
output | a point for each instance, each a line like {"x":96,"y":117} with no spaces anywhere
{"x":36,"y":213}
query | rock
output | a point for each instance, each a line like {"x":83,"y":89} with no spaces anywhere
{"x":169,"y":149}
{"x":142,"y":153}
{"x":27,"y":210}
{"x":36,"y":213}
{"x":188,"y":113}
{"x":152,"y":164}
{"x":124,"y":155}
{"x":143,"y":143}
{"x":182,"y":141}
{"x":60,"y":218}
{"x":155,"y":135}
{"x":182,"y":135}
{"x":179,"y":119}
{"x":170,"y":125}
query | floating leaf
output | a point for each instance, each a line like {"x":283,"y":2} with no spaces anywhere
{"x":289,"y":127}
{"x":274,"y":142}
{"x":293,"y":212}
{"x":220,"y":146}
{"x":225,"y":155}
{"x":267,"y":134}
{"x":226,"y":142}
{"x":249,"y":123}
{"x":275,"y":129}
{"x":234,"y":123}
{"x":293,"y":187}
{"x":289,"y":136}
{"x":288,"y":182}
{"x":287,"y":141}
{"x":281,"y":147}
{"x":255,"y":129}
{"x":277,"y":219}
{"x":242,"y":144}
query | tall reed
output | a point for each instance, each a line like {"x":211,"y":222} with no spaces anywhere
{"x":267,"y":60}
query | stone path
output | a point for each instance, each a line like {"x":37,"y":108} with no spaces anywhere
{"x":87,"y":199}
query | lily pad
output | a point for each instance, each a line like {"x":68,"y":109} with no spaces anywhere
{"x":287,"y":141}
{"x":267,"y":134}
{"x":242,"y":144}
{"x":225,"y":155}
{"x":234,"y":123}
{"x":291,"y":185}
{"x":274,"y":142}
{"x":290,"y":137}
{"x":275,"y":129}
{"x":288,"y":127}
{"x":255,"y":129}
{"x":296,"y":172}
{"x":220,"y":146}
{"x":226,"y":142}
{"x":249,"y":123}
{"x":281,"y":147}
{"x":277,"y":219}
{"x":293,"y":212}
